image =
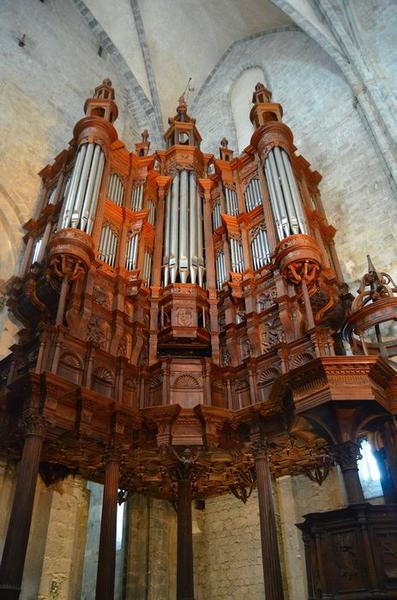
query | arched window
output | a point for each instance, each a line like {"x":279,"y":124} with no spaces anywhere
{"x":241,"y":102}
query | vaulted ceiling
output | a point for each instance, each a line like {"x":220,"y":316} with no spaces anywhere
{"x":164,"y":42}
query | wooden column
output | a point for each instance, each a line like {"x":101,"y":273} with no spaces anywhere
{"x":107,"y":541}
{"x":270,"y":552}
{"x":14,"y":553}
{"x":346,"y":455}
{"x":184,"y":578}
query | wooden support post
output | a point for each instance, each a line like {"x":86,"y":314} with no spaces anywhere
{"x":14,"y":553}
{"x":346,"y":455}
{"x":185,"y":539}
{"x":270,"y":552}
{"x":107,"y":541}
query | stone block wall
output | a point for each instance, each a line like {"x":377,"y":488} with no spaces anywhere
{"x":54,"y":560}
{"x":329,"y":131}
{"x":43,"y":88}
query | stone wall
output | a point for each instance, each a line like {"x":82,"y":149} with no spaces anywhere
{"x":43,"y":88}
{"x":321,"y":109}
{"x":54,"y":560}
{"x":228,"y":559}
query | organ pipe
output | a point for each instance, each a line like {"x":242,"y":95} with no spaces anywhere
{"x":183,"y":222}
{"x":116,"y":189}
{"x":200,"y":246}
{"x":167,"y":234}
{"x":82,"y":190}
{"x":107,"y":247}
{"x":132,"y":252}
{"x":295,"y":193}
{"x":147,"y":267}
{"x":193,"y":255}
{"x":216,"y":216}
{"x":183,"y":229}
{"x":284,"y":195}
{"x":173,"y":260}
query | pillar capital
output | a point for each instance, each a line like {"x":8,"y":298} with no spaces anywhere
{"x":33,"y":423}
{"x":346,"y":455}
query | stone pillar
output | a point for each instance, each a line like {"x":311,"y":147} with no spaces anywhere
{"x":184,"y":581}
{"x":270,"y":552}
{"x":107,"y":542}
{"x":346,"y":455}
{"x":62,"y":569}
{"x":293,"y":548}
{"x":12,"y":564}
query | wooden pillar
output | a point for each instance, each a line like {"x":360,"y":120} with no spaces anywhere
{"x":270,"y":552}
{"x":14,"y":553}
{"x":346,"y":455}
{"x":107,"y":540}
{"x":184,"y":578}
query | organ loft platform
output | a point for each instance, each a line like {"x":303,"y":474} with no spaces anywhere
{"x":187,"y":332}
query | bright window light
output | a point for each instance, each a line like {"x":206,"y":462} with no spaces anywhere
{"x":367,"y":464}
{"x":120,"y":526}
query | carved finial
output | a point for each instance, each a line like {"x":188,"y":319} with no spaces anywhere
{"x":371,"y":268}
{"x":107,"y":82}
{"x":224,"y":142}
{"x":261,"y":94}
{"x":145,"y":135}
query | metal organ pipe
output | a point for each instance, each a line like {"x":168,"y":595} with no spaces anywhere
{"x":95,"y":192}
{"x":292,"y":217}
{"x":76,"y":214}
{"x":193,"y":255}
{"x":294,"y":191}
{"x":83,"y":188}
{"x":65,"y":215}
{"x":274,"y":201}
{"x":183,"y":231}
{"x":173,"y":261}
{"x":199,"y":228}
{"x":90,"y":187}
{"x":284,"y":195}
{"x":277,"y":198}
{"x":183,"y":224}
{"x":167,"y":234}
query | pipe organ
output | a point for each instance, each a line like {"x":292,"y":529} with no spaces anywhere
{"x":186,"y":308}
{"x":183,"y":231}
